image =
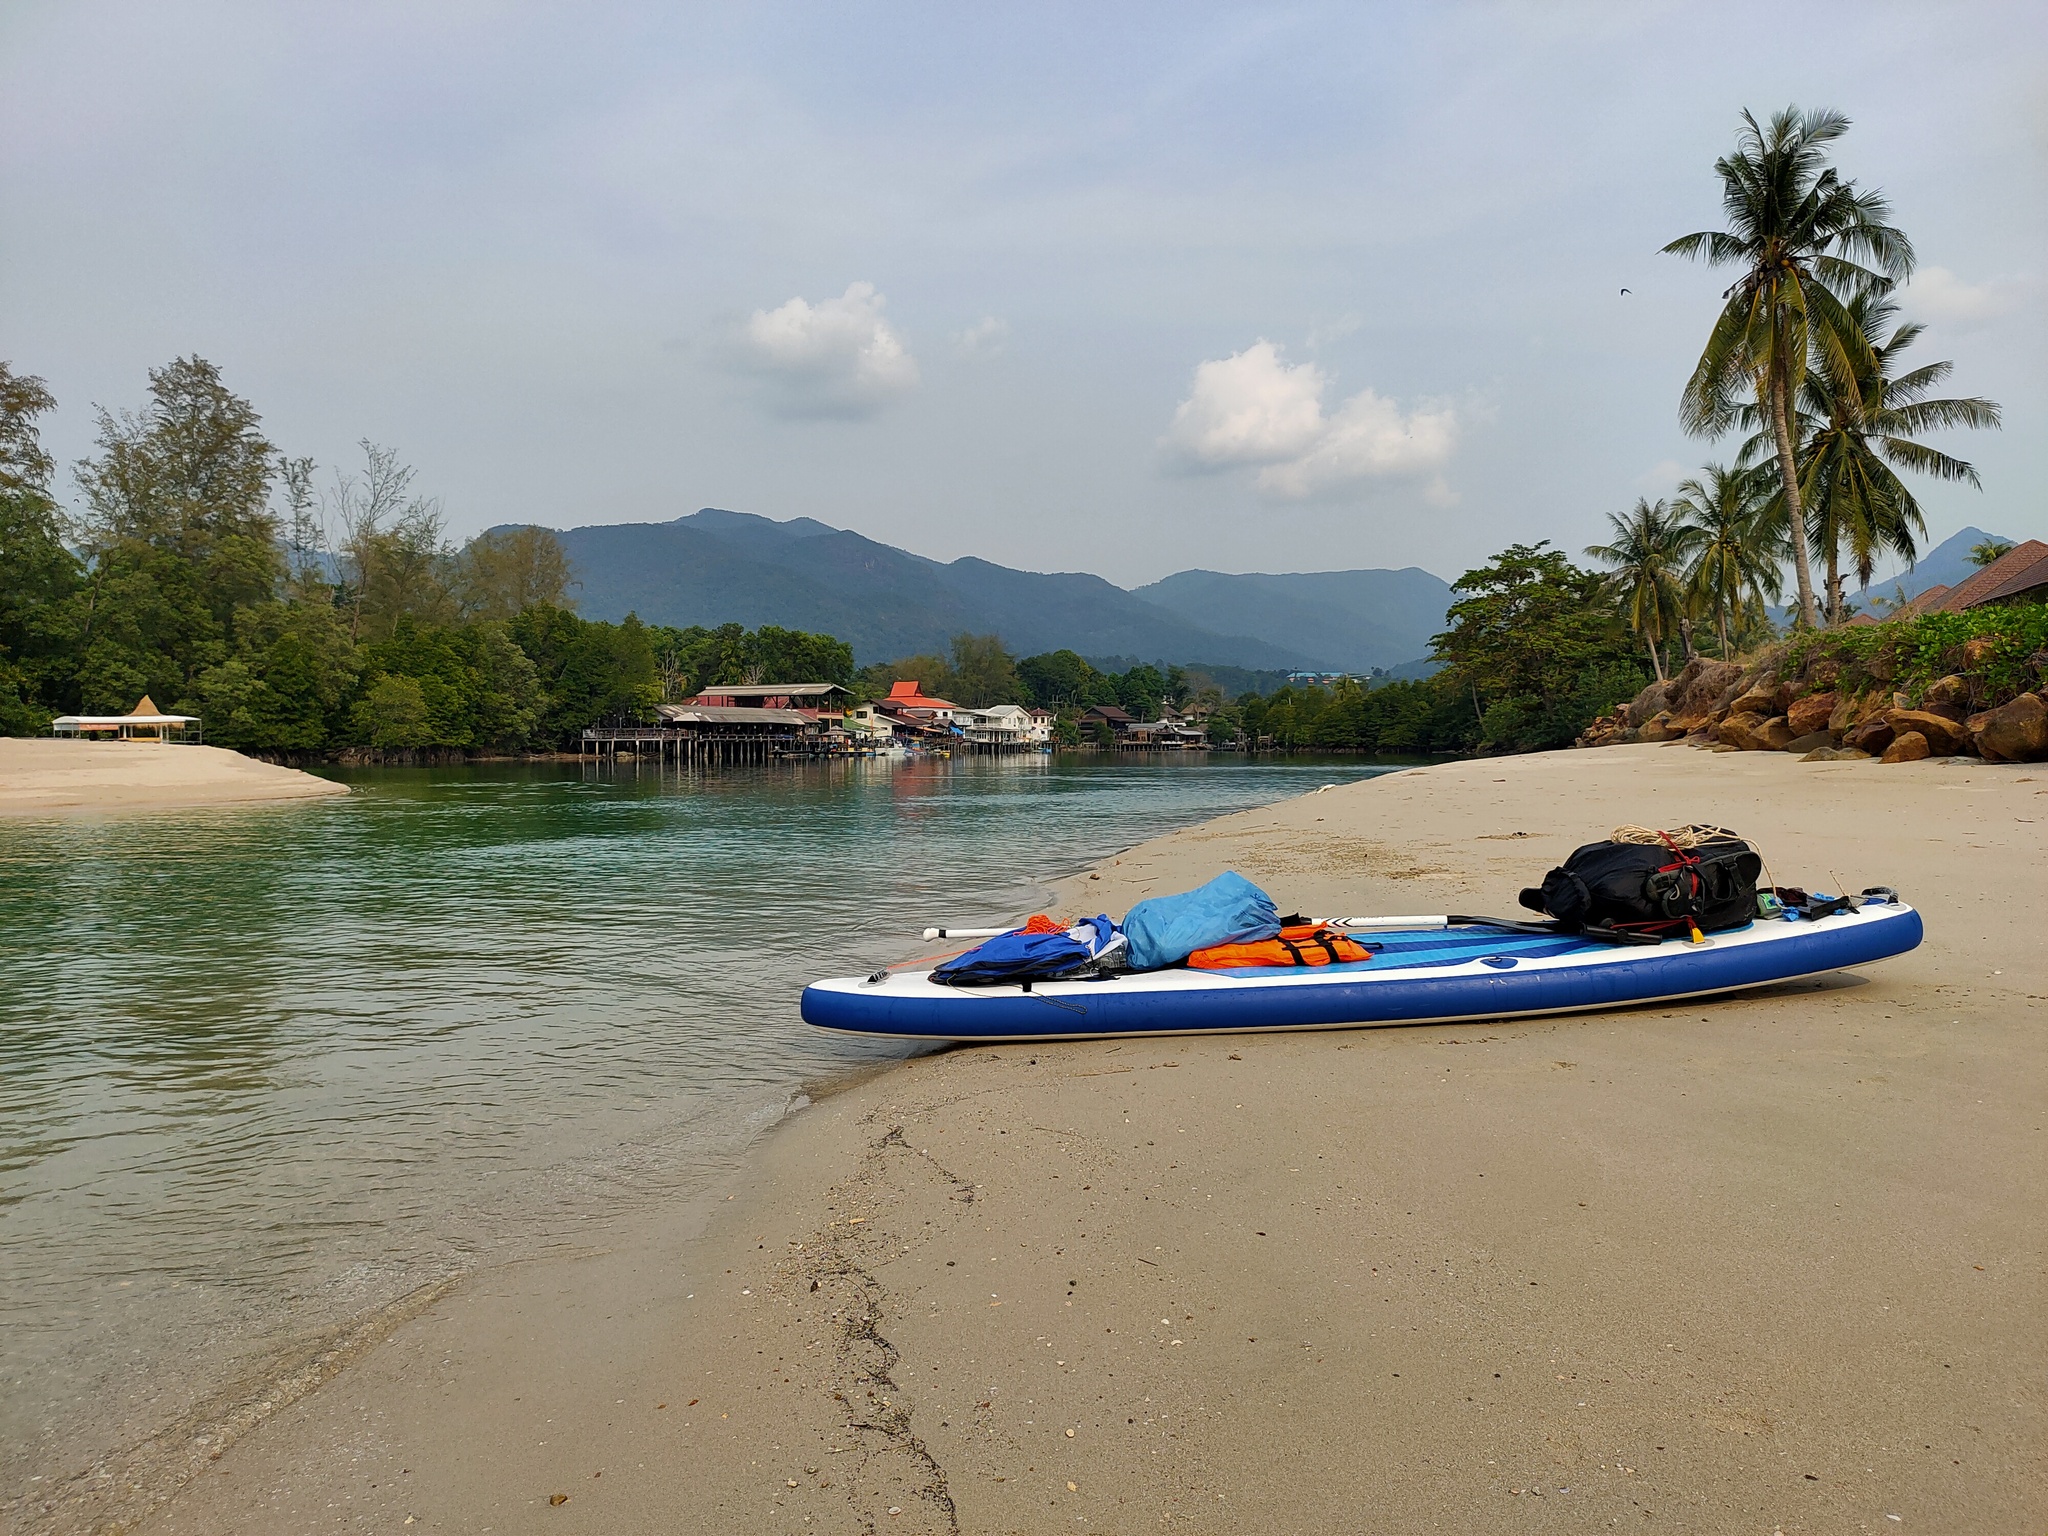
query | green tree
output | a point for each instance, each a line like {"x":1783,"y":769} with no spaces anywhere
{"x":1534,"y":646}
{"x":984,"y":672}
{"x":1648,"y":554}
{"x":1806,"y":241}
{"x":588,"y":672}
{"x":1055,"y":679}
{"x":39,"y":577}
{"x":392,"y":716}
{"x":1990,"y":550}
{"x":1735,"y":557}
{"x":285,"y":687}
{"x":508,"y":570}
{"x":179,"y":535}
{"x":1859,"y":430}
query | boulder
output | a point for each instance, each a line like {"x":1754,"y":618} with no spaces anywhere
{"x":2015,"y":732}
{"x":1843,"y":718}
{"x":1870,"y":736}
{"x":1739,"y":732}
{"x":1820,"y":673}
{"x":1646,"y":704}
{"x":1977,"y":652}
{"x":1944,"y":737}
{"x":1766,"y":696}
{"x":1811,"y":713}
{"x":1812,"y":741}
{"x":1944,"y":694}
{"x":1774,"y":735}
{"x":1835,"y":755}
{"x":1908,"y":748}
{"x":1692,"y":695}
{"x":1658,"y":728}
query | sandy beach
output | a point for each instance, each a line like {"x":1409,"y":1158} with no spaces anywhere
{"x":1771,"y":1262}
{"x":50,"y":777}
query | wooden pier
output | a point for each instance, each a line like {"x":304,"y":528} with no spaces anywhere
{"x":700,"y":748}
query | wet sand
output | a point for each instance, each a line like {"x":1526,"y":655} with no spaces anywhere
{"x":1758,"y":1263}
{"x":48,"y":777}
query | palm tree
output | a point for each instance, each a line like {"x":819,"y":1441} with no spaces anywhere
{"x":1983,"y":554}
{"x":1795,"y":227}
{"x":1649,"y":548}
{"x":1854,"y":433}
{"x":1735,"y":552}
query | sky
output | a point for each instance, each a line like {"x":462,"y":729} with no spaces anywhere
{"x":1125,"y":289}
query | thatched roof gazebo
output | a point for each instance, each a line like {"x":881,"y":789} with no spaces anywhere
{"x":145,"y":722}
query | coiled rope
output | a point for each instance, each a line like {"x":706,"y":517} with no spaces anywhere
{"x":1678,"y":837}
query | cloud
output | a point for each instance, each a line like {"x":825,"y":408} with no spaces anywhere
{"x":987,"y":337}
{"x":1255,"y":409}
{"x":1945,"y":299}
{"x":838,"y":357}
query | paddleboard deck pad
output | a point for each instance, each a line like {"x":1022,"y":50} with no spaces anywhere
{"x":1421,"y":976}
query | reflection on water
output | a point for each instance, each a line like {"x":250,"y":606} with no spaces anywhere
{"x":261,"y":1070}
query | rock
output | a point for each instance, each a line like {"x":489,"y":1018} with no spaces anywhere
{"x":1691,"y":696}
{"x":1811,"y":713}
{"x":2015,"y":732}
{"x":1835,"y":755}
{"x":1812,"y":741}
{"x":1659,"y":728}
{"x":1739,"y":732}
{"x":1647,"y":704}
{"x":1774,"y":735}
{"x":1944,"y":694}
{"x":1978,"y":651}
{"x":1820,"y":673}
{"x":1870,"y":736}
{"x":1766,"y":697}
{"x":1944,"y":737}
{"x":1908,"y":748}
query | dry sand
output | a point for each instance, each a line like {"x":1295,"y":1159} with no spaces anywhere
{"x":51,"y":778}
{"x":1769,"y":1262}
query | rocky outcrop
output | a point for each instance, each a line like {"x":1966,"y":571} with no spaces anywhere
{"x":2015,"y":732}
{"x":1799,"y":699}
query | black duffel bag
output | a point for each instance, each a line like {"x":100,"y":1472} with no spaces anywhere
{"x":1653,"y":888}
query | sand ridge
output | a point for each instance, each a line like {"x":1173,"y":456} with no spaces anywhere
{"x":1752,"y":1263}
{"x":50,"y":777}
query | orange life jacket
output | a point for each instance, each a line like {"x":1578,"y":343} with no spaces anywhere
{"x":1308,"y":944}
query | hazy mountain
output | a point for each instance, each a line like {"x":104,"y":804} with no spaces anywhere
{"x":1942,"y":566}
{"x":1355,"y":620}
{"x":717,"y":567}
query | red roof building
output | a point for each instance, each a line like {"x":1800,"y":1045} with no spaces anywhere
{"x":908,"y":695}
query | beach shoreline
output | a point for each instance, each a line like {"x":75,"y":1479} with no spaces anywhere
{"x":46,"y":777}
{"x":1755,"y":1259}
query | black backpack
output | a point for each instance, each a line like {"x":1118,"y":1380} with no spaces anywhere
{"x":1652,"y":889}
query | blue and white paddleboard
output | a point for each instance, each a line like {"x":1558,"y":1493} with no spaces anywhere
{"x":1422,"y":975}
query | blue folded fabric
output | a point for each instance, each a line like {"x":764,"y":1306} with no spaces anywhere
{"x":1021,"y":956}
{"x":1165,"y":930}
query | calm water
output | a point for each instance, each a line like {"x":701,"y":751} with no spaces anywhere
{"x":262,"y":1071}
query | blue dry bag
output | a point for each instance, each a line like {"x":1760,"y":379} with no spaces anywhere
{"x":1021,"y":956}
{"x":1228,"y":910}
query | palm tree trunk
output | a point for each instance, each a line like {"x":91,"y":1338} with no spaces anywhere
{"x":1834,"y":582}
{"x":1656,"y":658}
{"x":1780,"y":403}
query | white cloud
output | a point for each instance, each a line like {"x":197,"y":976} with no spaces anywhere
{"x":1254,"y":408}
{"x":987,"y":337}
{"x":1936,"y":294}
{"x":837,"y":357}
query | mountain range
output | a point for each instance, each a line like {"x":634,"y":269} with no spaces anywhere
{"x":1946,"y":565}
{"x":717,"y":567}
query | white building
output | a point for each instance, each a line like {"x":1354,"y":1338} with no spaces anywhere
{"x":1004,"y":725}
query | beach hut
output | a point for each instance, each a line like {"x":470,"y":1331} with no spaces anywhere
{"x":145,"y":722}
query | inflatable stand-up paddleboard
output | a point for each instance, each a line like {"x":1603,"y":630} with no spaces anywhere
{"x":1426,"y":970}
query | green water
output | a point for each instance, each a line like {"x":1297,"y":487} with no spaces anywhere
{"x":264,"y":1070}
